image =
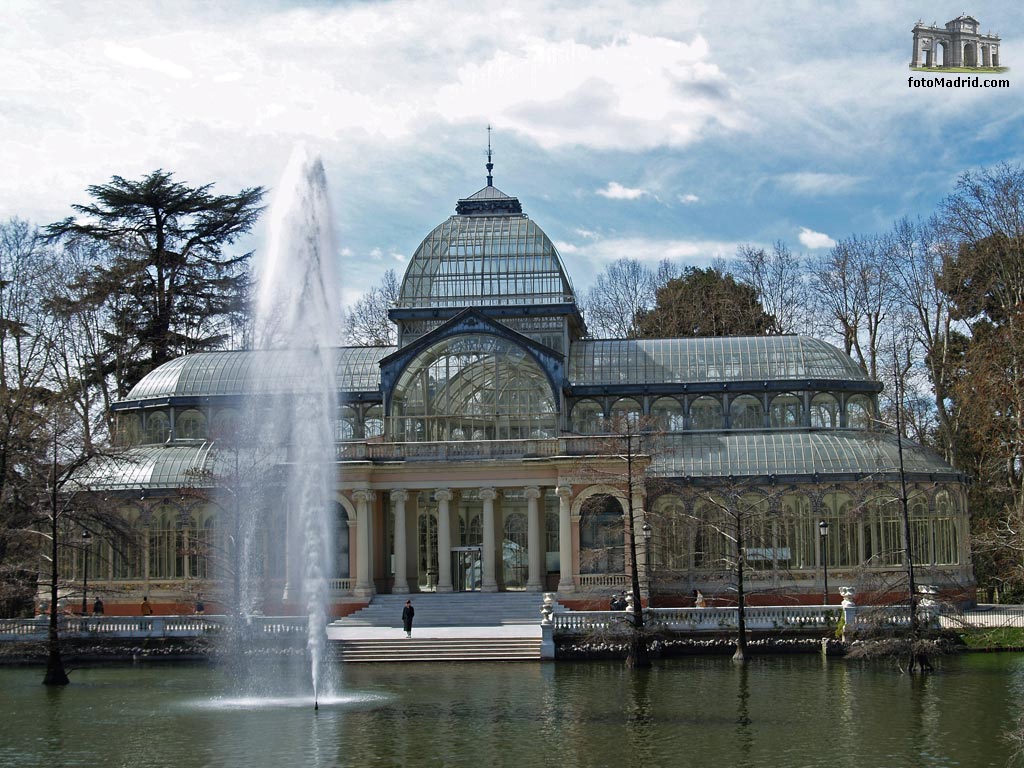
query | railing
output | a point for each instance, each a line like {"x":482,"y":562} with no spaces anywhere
{"x":340,"y":585}
{"x":475,"y":449}
{"x":795,"y":618}
{"x":145,"y":626}
{"x":588,"y":581}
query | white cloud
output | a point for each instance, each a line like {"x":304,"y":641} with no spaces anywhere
{"x":811,"y":239}
{"x":654,"y":250}
{"x":635,"y":90}
{"x":688,"y":199}
{"x":566,"y":247}
{"x":616,"y":191}
{"x":810,"y":183}
{"x":140,"y":59}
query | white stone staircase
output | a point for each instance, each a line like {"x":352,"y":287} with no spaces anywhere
{"x":459,"y":626}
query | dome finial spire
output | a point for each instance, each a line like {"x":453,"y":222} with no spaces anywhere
{"x":490,"y":165}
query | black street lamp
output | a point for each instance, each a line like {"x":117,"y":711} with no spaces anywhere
{"x":823,"y":530}
{"x":86,"y":541}
{"x":646,"y":529}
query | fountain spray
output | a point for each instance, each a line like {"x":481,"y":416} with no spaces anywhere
{"x":298,"y":317}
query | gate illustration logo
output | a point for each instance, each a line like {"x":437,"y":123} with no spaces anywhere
{"x":957,"y":47}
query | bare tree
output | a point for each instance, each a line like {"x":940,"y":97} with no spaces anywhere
{"x":777,"y":276}
{"x":853,"y":296}
{"x":620,"y":294}
{"x":736,"y":535}
{"x":916,"y":255}
{"x":626,"y":449}
{"x":367,"y":322}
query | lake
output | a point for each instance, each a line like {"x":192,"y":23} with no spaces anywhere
{"x":696,"y":711}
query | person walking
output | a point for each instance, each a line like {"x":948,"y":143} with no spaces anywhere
{"x":146,"y":609}
{"x":407,"y":613}
{"x":97,"y":607}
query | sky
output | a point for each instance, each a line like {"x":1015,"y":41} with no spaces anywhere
{"x":647,"y":130}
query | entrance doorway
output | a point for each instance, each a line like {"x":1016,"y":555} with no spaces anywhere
{"x":467,"y":569}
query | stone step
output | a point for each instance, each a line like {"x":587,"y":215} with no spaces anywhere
{"x":436,"y":650}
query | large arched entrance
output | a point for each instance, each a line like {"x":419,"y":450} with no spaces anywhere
{"x":602,"y":538}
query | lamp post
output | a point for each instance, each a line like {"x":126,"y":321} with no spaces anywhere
{"x":646,"y":529}
{"x":823,"y":530}
{"x":86,"y":542}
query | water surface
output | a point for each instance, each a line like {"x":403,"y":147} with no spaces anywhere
{"x":780,"y":711}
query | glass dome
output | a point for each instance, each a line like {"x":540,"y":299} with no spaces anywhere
{"x":489,"y":253}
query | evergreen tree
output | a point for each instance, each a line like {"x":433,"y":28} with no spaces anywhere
{"x":165,"y":283}
{"x":705,"y":302}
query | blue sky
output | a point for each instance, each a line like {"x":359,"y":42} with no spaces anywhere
{"x":650,"y":130}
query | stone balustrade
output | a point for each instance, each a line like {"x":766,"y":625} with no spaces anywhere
{"x":145,"y":626}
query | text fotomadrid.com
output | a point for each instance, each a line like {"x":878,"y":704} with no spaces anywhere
{"x":956,"y":82}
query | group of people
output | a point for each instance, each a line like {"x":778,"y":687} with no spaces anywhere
{"x":620,"y":603}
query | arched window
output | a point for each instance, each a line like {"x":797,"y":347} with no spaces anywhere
{"x":427,"y":546}
{"x":706,"y":413}
{"x":626,"y":411}
{"x":166,"y":544}
{"x":158,"y":427}
{"x":473,"y":385}
{"x":798,"y":531}
{"x":515,"y":553}
{"x":859,"y":412}
{"x":225,"y":424}
{"x":602,"y":537}
{"x":746,"y":412}
{"x":824,"y":411}
{"x":786,"y":411}
{"x":345,"y":424}
{"x":587,"y":417}
{"x":841,"y":548}
{"x":947,"y":541}
{"x":672,"y":532}
{"x":206,"y":547}
{"x":341,"y":550}
{"x":190,"y":425}
{"x":713,"y":549}
{"x":129,"y":429}
{"x":882,"y":530}
{"x":373,"y":421}
{"x":759,"y":533}
{"x":126,"y":553}
{"x":668,"y":414}
{"x":475,"y":531}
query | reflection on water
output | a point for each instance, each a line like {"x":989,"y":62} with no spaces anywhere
{"x":783,"y":711}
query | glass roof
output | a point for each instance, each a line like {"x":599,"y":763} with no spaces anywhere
{"x":228,"y":373}
{"x":740,"y":358}
{"x":159,"y":466}
{"x":720,"y":454}
{"x":487,"y":254}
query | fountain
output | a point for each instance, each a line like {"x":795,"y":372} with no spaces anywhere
{"x":294,"y":399}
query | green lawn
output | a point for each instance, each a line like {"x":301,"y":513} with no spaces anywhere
{"x":998,"y":637}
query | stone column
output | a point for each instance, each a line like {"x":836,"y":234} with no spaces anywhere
{"x":364,"y":581}
{"x":444,"y":541}
{"x":490,"y":544}
{"x":401,"y":555}
{"x":566,"y":567}
{"x":535,"y":541}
